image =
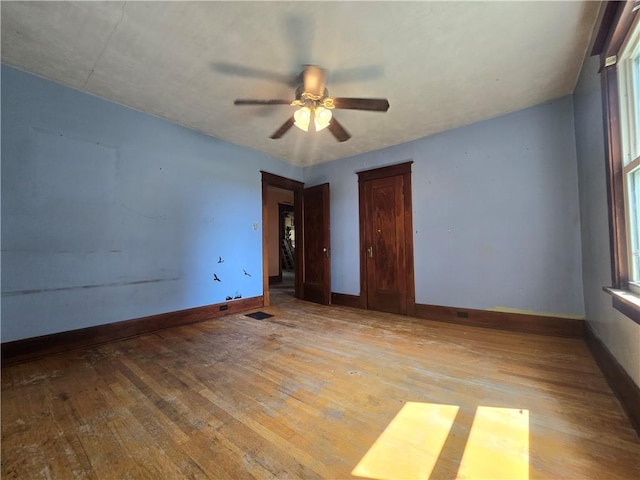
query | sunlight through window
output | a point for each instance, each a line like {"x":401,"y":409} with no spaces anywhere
{"x":410,"y":445}
{"x":497,"y":445}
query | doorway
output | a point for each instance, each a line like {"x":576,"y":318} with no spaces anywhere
{"x":279,"y":195}
{"x":312,"y":263}
{"x":386,"y":239}
{"x":287,"y":245}
{"x":282,"y":246}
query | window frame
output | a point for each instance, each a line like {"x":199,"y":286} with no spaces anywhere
{"x":617,"y":23}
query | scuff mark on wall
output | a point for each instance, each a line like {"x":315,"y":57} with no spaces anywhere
{"x":150,"y":217}
{"x":84,"y":287}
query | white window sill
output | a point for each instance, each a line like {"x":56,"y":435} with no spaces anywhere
{"x":626,"y":302}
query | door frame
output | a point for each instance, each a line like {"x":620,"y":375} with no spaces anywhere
{"x":272,"y":180}
{"x":399,"y":169}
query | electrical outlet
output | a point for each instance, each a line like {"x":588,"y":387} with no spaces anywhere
{"x":255,"y":226}
{"x":462,"y":314}
{"x":224,"y":307}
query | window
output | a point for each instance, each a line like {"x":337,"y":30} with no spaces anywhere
{"x":618,"y":45}
{"x":628,"y":64}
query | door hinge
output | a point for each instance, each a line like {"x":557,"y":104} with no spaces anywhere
{"x":609,"y":61}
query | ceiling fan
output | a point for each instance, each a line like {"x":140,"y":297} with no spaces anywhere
{"x":316,"y":105}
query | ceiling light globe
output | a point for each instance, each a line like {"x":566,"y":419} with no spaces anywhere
{"x":322,"y":118}
{"x":301,"y":118}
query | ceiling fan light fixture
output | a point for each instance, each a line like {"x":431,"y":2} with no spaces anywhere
{"x":313,"y":103}
{"x":301,"y":118}
{"x":321,"y":118}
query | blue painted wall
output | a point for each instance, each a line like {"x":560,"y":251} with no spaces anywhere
{"x":495,"y":213}
{"x":110,"y":214}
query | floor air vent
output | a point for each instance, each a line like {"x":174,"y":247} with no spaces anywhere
{"x":259,"y":315}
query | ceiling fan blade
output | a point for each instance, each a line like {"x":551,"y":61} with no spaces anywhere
{"x":283,"y":128}
{"x":251,"y":72}
{"x":314,"y":79}
{"x":372,"y":104}
{"x":241,"y":101}
{"x":338,"y":131}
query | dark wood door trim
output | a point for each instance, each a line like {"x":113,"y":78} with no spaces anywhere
{"x":383,"y":172}
{"x":403,"y":169}
{"x":271,"y":180}
{"x":277,"y":181}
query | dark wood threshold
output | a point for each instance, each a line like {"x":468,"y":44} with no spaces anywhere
{"x":345,"y":300}
{"x":516,"y":322}
{"x":28,"y":349}
{"x":626,"y":302}
{"x":621,"y":383}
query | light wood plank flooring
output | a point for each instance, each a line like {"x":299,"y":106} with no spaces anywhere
{"x":317,"y":392}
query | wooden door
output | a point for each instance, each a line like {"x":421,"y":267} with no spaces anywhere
{"x":387,"y":239}
{"x":316,"y":283}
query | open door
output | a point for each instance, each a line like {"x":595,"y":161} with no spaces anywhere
{"x":316,"y":271}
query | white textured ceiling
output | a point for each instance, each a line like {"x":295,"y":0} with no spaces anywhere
{"x":440,"y":64}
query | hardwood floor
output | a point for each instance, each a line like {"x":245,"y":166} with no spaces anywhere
{"x":317,"y":392}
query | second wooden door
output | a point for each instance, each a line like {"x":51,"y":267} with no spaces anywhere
{"x":386,"y":239}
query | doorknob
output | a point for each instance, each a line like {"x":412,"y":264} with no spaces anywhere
{"x":326,"y":252}
{"x":370,"y":252}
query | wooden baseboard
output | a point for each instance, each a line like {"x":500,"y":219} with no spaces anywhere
{"x":621,"y":383}
{"x":29,"y":349}
{"x":275,"y":279}
{"x":346,"y":300}
{"x":517,"y":322}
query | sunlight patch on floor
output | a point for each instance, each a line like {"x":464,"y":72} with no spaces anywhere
{"x":410,"y":445}
{"x":497,"y":446}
